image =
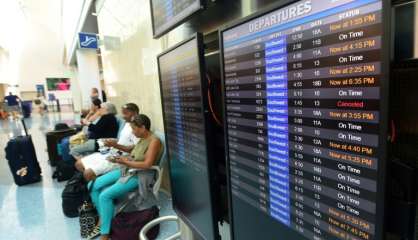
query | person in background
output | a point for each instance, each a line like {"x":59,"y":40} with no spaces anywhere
{"x":94,"y":94}
{"x":96,"y":164}
{"x":13,"y":104}
{"x":40,"y":103}
{"x":117,"y":183}
{"x":104,"y":96}
{"x":105,"y":127}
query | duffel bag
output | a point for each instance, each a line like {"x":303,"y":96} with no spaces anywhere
{"x":127,"y":225}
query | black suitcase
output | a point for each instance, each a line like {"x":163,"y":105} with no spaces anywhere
{"x":22,"y":160}
{"x":53,"y":138}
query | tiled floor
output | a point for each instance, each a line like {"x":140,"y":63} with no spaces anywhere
{"x":34,"y":211}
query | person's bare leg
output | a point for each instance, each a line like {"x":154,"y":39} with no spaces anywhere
{"x":79,"y":165}
{"x":89,"y":175}
{"x":104,"y":237}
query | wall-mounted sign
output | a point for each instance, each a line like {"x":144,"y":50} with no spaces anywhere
{"x":88,"y":40}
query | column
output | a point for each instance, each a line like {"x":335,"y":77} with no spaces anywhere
{"x":88,"y":75}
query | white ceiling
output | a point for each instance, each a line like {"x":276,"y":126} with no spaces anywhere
{"x":30,"y":34}
{"x":17,"y":17}
{"x":117,"y":16}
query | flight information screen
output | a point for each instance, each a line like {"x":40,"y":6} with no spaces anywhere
{"x":181,"y":93}
{"x":167,"y":14}
{"x":302,"y":103}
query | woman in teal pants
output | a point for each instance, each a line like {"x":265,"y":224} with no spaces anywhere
{"x":117,"y":183}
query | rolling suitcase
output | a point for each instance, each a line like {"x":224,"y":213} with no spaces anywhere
{"x":22,"y":160}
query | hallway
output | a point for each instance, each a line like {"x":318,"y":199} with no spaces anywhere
{"x":34,"y":211}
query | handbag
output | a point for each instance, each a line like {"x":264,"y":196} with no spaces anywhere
{"x":127,"y":225}
{"x":87,"y":215}
{"x":78,"y":139}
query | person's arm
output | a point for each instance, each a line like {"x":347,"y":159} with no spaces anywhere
{"x":99,"y":126}
{"x":127,"y":149}
{"x":90,"y":113}
{"x":93,"y":117}
{"x":150,"y":157}
{"x":114,"y":144}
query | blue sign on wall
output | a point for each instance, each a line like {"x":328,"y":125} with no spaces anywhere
{"x":88,"y":40}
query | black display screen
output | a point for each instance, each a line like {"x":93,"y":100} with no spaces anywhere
{"x":303,"y":108}
{"x":167,"y":14}
{"x":180,"y":71}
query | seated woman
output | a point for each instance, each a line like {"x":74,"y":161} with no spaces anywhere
{"x":93,"y":113}
{"x":105,"y":127}
{"x":115,"y":184}
{"x":96,"y":164}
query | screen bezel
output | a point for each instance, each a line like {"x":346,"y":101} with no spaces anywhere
{"x":210,"y":165}
{"x":383,"y":111}
{"x":155,"y":35}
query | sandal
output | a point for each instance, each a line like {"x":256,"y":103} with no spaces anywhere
{"x":95,"y":233}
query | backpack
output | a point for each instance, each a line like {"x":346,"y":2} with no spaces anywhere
{"x":73,"y":195}
{"x":64,"y":171}
{"x":127,"y":225}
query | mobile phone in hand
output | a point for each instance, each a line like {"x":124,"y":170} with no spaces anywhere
{"x":111,"y":159}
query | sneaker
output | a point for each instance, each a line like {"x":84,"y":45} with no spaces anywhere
{"x":95,"y":233}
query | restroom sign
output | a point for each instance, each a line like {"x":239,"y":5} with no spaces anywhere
{"x":88,"y":40}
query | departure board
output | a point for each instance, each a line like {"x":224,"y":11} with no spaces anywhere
{"x":167,"y":14}
{"x":304,"y":113}
{"x":180,"y":71}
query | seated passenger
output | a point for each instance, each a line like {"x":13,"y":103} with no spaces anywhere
{"x":105,"y":127}
{"x":96,"y":164}
{"x":93,"y":113}
{"x":118,"y":182}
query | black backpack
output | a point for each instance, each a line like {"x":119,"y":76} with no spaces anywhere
{"x":73,"y":195}
{"x":64,"y":171}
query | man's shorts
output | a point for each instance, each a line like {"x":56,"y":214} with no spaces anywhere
{"x":14,"y":108}
{"x":98,"y":164}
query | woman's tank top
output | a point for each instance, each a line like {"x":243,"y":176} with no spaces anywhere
{"x":138,"y":154}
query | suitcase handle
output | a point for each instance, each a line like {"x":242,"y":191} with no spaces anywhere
{"x":24,"y":126}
